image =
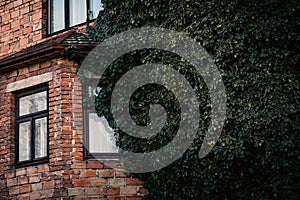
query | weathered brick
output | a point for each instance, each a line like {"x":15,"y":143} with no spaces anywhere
{"x":12,"y":182}
{"x":20,"y":172}
{"x":34,"y":179}
{"x":43,"y":168}
{"x":14,"y":190}
{"x":25,"y":188}
{"x":94,"y":191}
{"x":49,"y":185}
{"x":22,"y":180}
{"x":116,"y":182}
{"x":94,"y":164}
{"x":76,"y":191}
{"x":106,"y":173}
{"x":46,"y":193}
{"x":37,"y":186}
{"x":129,"y":190}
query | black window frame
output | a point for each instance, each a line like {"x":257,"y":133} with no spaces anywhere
{"x":87,"y":154}
{"x":67,"y":17}
{"x":31,"y":117}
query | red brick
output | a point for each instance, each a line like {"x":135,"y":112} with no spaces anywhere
{"x":98,"y":182}
{"x":14,"y":190}
{"x":79,"y":165}
{"x":24,"y":197}
{"x":34,"y":195}
{"x":25,"y":188}
{"x":34,"y":179}
{"x":88,"y":173}
{"x":94,"y":164}
{"x":49,"y":185}
{"x":46,"y":193}
{"x":27,"y":30}
{"x":11,"y":173}
{"x":106,"y":173}
{"x":43,"y":168}
{"x":15,"y":24}
{"x":143,"y":191}
{"x":81,"y":182}
{"x":133,"y":182}
{"x":31,"y":170}
{"x":5,"y":17}
{"x":111,"y":191}
{"x":22,"y":180}
{"x":12,"y":182}
{"x":20,"y":172}
{"x":14,"y":14}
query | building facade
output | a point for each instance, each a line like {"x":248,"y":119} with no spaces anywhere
{"x":46,"y":144}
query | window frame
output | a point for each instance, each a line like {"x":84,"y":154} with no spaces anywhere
{"x":86,"y":110}
{"x":67,"y":17}
{"x":32,"y":117}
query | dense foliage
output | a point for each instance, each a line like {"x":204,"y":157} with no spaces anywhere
{"x":255,"y":44}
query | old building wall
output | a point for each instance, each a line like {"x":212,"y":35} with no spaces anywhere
{"x":68,"y":173}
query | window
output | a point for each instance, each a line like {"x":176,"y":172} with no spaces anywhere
{"x":67,"y":13}
{"x":32,"y":126}
{"x":100,"y":141}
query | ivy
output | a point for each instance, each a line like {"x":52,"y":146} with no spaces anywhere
{"x":255,"y":45}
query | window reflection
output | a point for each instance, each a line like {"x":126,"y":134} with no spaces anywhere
{"x":33,"y":103}
{"x":77,"y":12}
{"x":101,"y":136}
{"x":41,"y":137}
{"x":24,"y":141}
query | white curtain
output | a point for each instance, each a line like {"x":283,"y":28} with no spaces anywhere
{"x":41,"y":137}
{"x":96,"y":6}
{"x":24,"y":141}
{"x":57,"y":8}
{"x":77,"y":12}
{"x":101,"y":136}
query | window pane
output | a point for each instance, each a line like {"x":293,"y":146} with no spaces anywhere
{"x":24,"y":141}
{"x":96,"y":6}
{"x":101,"y":136}
{"x":33,"y":103}
{"x":41,"y":137}
{"x":57,"y":8}
{"x":77,"y":12}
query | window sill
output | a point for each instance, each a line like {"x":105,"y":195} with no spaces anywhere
{"x":33,"y":163}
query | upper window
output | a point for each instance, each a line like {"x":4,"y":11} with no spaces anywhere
{"x":32,"y":126}
{"x":67,"y":13}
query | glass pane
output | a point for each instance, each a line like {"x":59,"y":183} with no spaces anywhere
{"x":77,"y":12}
{"x":33,"y":103}
{"x":96,"y":6}
{"x":24,"y":141}
{"x":101,"y":136}
{"x":57,"y":8}
{"x":41,"y":137}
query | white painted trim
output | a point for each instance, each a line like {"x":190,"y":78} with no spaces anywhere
{"x":29,"y":82}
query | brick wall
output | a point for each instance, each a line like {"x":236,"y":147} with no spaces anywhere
{"x":22,"y":23}
{"x":67,"y":174}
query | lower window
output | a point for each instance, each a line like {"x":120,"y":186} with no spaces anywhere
{"x":32,"y":126}
{"x":100,"y":140}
